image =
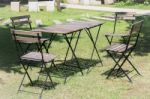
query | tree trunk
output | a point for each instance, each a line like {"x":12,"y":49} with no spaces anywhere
{"x":58,"y":5}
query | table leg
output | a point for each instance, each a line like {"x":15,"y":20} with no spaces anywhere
{"x":73,"y":53}
{"x":94,"y":45}
{"x":51,"y":40}
{"x":77,"y":42}
{"x":72,"y":35}
{"x":96,"y":40}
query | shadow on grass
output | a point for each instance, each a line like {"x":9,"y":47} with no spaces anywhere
{"x":116,"y":73}
{"x":70,"y":68}
{"x":39,"y":83}
{"x":8,"y":58}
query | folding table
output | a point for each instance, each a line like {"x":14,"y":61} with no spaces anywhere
{"x":73,"y":28}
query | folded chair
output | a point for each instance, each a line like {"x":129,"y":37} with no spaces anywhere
{"x":128,"y":16}
{"x":35,"y":56}
{"x":18,"y":22}
{"x":124,"y":50}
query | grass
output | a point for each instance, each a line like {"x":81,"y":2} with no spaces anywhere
{"x":132,"y":5}
{"x":93,"y":85}
{"x":129,"y":5}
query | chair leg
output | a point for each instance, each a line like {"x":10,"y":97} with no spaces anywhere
{"x":117,"y":63}
{"x":41,"y":69}
{"x":126,"y":75}
{"x":54,"y":65}
{"x":133,"y":67}
{"x":26,"y":73}
{"x":22,"y":80}
{"x":120,"y":66}
{"x":48,"y":75}
{"x":40,"y":97}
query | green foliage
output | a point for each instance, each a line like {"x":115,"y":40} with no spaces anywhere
{"x":147,"y":2}
{"x":132,"y":2}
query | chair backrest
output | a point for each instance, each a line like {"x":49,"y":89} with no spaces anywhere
{"x":21,"y":21}
{"x":134,"y":33}
{"x":20,"y":36}
{"x":123,"y":16}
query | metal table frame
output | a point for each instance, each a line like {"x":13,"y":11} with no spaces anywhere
{"x":72,"y":29}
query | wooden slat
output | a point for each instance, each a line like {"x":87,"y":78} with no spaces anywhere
{"x":28,"y":33}
{"x":28,"y":39}
{"x":19,"y":22}
{"x":20,"y":17}
{"x":118,"y":47}
{"x":69,"y":27}
{"x":37,"y":56}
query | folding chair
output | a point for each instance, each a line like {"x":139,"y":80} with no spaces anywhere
{"x":34,"y":56}
{"x":124,"y":50}
{"x":18,"y":22}
{"x":128,"y":16}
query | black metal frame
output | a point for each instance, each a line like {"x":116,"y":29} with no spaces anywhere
{"x":21,"y":17}
{"x":114,"y":28}
{"x":94,"y":42}
{"x":25,"y":61}
{"x":73,"y":48}
{"x":30,"y":28}
{"x":126,"y":53}
{"x":27,"y":23}
{"x":76,"y":42}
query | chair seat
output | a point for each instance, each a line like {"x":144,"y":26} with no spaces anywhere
{"x":37,"y":56}
{"x":118,"y":34}
{"x":118,"y":47}
{"x":29,"y":40}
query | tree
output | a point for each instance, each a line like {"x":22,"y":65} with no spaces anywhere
{"x":58,"y":5}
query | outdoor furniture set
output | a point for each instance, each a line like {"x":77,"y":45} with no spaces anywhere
{"x":68,"y":31}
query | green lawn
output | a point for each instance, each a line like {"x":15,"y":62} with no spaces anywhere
{"x":129,"y":5}
{"x":93,"y":84}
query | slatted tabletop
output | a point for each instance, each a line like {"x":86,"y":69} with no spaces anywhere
{"x":67,"y":28}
